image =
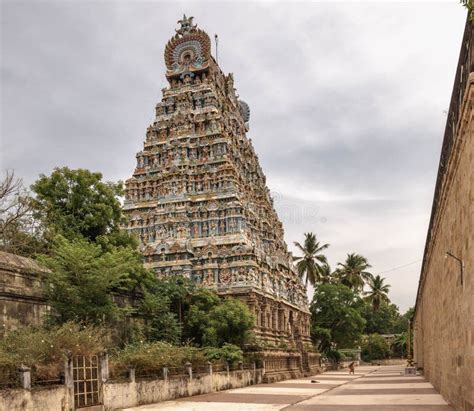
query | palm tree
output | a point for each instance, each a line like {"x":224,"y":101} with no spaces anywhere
{"x":400,"y":343}
{"x":378,"y":292}
{"x":326,"y":275}
{"x":352,"y":272}
{"x":309,"y":264}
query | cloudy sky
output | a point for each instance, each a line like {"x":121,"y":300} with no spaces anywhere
{"x":347,"y":102}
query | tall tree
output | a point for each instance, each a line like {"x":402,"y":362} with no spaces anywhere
{"x":326,"y":274}
{"x":378,"y":292}
{"x":230,"y":321}
{"x":83,"y":278}
{"x":309,"y":265}
{"x":336,"y":315}
{"x":78,"y":203}
{"x":353,"y":272}
{"x":402,"y":323}
{"x":20,"y":233}
{"x":382,"y":321}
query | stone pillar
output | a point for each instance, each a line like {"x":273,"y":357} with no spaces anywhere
{"x":69,"y":380}
{"x":131,"y":373}
{"x":104,"y":366}
{"x":25,"y":377}
{"x":209,"y":367}
{"x":165,"y":373}
{"x":189,"y":370}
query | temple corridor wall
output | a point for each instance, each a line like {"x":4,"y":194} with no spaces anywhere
{"x":444,"y":317}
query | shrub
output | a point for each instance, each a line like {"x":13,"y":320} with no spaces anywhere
{"x":229,"y":352}
{"x":334,"y":355}
{"x":154,"y":355}
{"x":44,"y":350}
{"x":375,"y":347}
{"x":214,"y":322}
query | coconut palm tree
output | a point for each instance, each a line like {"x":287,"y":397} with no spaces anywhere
{"x":352,"y":272}
{"x":400,"y":343}
{"x":378,"y":292}
{"x":309,"y":265}
{"x":326,"y":274}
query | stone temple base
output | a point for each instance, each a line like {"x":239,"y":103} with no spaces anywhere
{"x":278,"y":323}
{"x":283,"y":365}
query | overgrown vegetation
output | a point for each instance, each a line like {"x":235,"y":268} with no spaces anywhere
{"x":375,"y":347}
{"x":45,"y":349}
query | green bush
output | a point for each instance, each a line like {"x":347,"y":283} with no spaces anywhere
{"x":154,"y":355}
{"x":44,"y":350}
{"x":214,"y":322}
{"x":375,"y":347}
{"x":334,"y":355}
{"x":229,"y":352}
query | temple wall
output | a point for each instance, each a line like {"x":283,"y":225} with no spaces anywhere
{"x":444,"y":317}
{"x":21,"y":298}
{"x":277,"y":322}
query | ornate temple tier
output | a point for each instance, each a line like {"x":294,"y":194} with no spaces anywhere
{"x":198,"y":198}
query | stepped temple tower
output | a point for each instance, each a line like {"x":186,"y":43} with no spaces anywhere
{"x":198,"y":200}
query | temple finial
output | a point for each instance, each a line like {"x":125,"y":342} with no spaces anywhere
{"x":186,"y":25}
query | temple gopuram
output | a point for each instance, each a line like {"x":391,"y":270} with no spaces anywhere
{"x":198,"y":199}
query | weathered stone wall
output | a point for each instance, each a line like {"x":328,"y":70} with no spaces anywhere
{"x":39,"y":399}
{"x":117,"y":395}
{"x":129,"y":394}
{"x":444,"y":317}
{"x":21,"y":300}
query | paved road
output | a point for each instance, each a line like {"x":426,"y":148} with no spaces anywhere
{"x":370,"y":389}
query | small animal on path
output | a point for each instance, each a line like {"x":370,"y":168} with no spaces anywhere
{"x":351,"y":368}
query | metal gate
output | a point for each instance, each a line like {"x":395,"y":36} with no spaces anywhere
{"x":86,"y":378}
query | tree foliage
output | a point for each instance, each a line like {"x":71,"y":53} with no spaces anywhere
{"x":228,"y":352}
{"x":326,"y":274}
{"x":229,"y":322}
{"x":381,"y":321}
{"x":201,"y":304}
{"x":337,"y":309}
{"x":160,"y":322}
{"x":401,"y":325}
{"x":83,"y":279}
{"x":375,"y":347}
{"x":77,"y":203}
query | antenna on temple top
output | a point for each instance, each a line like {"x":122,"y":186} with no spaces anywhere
{"x":216,"y":38}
